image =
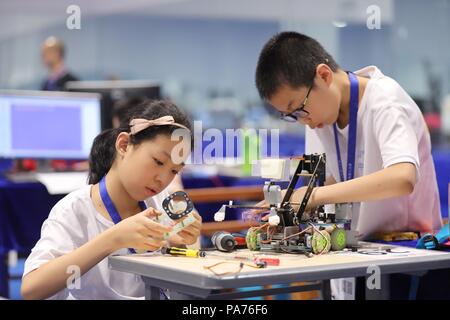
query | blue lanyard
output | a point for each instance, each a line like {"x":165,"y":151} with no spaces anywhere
{"x":111,"y":208}
{"x":115,"y":216}
{"x":354,"y":91}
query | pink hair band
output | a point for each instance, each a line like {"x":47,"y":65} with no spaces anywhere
{"x":137,"y":125}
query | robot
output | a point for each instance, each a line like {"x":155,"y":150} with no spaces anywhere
{"x":285,"y":226}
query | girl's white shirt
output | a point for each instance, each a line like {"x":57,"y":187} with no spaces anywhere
{"x":72,"y":222}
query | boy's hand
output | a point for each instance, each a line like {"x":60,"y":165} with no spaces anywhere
{"x":297,"y":197}
{"x":264,"y":205}
{"x":299,"y":194}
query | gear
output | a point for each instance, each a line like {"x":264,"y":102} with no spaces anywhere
{"x":321,"y":242}
{"x":338,"y":239}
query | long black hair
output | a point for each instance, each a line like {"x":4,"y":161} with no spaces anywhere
{"x":103,"y":151}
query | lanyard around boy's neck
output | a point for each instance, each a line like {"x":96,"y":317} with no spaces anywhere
{"x":354,"y":92}
{"x":111,"y":208}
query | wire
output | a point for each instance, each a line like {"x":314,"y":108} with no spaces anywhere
{"x":296,"y":234}
{"x":320,"y":232}
{"x":262,"y":226}
{"x":241,"y":266}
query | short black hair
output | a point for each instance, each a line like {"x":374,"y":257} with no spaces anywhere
{"x":289,"y":58}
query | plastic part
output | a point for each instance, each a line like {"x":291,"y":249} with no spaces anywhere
{"x":274,"y":220}
{"x":219,"y":216}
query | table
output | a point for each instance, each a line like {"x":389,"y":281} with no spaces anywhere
{"x":187,"y":278}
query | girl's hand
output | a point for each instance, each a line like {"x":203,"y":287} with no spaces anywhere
{"x":140,"y":232}
{"x":190,"y":234}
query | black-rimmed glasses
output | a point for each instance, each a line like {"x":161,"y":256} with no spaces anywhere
{"x":300,"y":112}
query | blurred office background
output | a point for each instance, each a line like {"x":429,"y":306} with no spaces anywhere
{"x":204,"y":53}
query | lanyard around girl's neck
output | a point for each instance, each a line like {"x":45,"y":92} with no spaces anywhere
{"x":354,"y":92}
{"x":110,"y":207}
{"x":115,"y":216}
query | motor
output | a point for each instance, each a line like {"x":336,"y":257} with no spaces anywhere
{"x":227,"y":242}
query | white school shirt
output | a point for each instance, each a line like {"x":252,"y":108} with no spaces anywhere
{"x":391,"y":129}
{"x":72,"y":222}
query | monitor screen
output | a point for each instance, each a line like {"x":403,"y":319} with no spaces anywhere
{"x":115,"y":90}
{"x":48,"y":125}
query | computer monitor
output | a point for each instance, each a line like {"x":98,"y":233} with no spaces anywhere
{"x":115,"y":90}
{"x":48,"y":125}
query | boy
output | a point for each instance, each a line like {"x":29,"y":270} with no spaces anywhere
{"x":377,"y":145}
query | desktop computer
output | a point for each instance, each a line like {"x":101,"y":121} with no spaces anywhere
{"x":48,"y":125}
{"x":112,"y":91}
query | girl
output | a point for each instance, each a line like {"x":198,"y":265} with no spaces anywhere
{"x":129,"y":169}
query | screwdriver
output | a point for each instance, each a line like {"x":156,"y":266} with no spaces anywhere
{"x":183,"y":252}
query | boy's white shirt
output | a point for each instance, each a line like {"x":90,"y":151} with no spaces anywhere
{"x":72,"y":222}
{"x":391,"y":129}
